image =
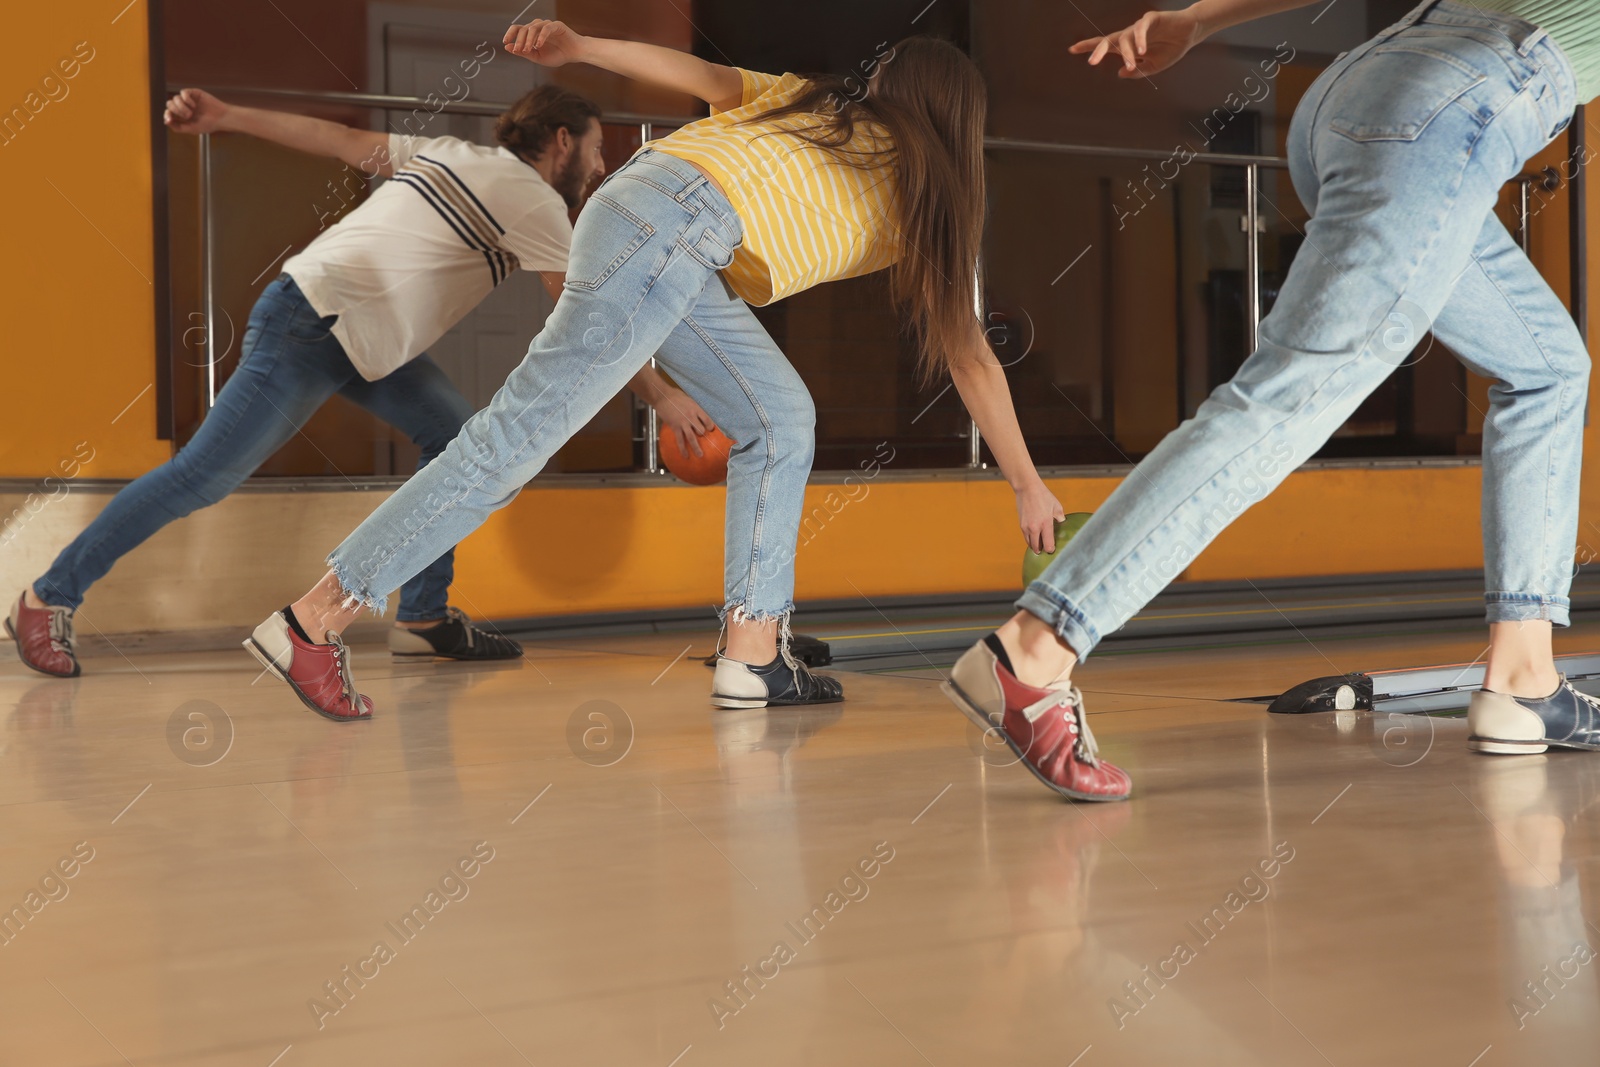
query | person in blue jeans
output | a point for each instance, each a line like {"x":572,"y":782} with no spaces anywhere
{"x":352,"y":315}
{"x":1399,"y":150}
{"x":790,"y":182}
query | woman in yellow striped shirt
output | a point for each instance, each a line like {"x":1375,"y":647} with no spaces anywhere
{"x":788,"y":183}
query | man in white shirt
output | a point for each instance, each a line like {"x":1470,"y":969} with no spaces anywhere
{"x":353,"y":314}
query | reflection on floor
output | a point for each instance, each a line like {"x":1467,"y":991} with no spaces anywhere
{"x":574,"y":860}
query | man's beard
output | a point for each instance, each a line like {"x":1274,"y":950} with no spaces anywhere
{"x":570,"y":182}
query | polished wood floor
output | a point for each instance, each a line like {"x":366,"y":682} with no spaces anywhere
{"x":574,"y":860}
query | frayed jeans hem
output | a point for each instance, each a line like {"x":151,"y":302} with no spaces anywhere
{"x":738,"y":612}
{"x":353,"y":595}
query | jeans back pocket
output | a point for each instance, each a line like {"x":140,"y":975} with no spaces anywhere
{"x":1396,"y":91}
{"x":306,"y":327}
{"x":606,"y":236}
{"x":710,"y":250}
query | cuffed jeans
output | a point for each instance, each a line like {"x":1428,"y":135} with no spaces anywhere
{"x":643,"y":281}
{"x":290,"y":364}
{"x":1399,"y":150}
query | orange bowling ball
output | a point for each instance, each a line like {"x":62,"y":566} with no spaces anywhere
{"x":708,"y":469}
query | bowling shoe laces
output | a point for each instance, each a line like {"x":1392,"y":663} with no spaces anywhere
{"x":454,"y":637}
{"x":318,"y":674}
{"x":1505,"y":725}
{"x":44,"y":637}
{"x":782,"y":682}
{"x":1046,"y":728}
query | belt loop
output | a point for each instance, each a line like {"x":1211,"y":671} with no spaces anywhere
{"x":1416,"y":15}
{"x":683,"y":170}
{"x":693,"y":186}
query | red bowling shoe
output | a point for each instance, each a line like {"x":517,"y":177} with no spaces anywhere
{"x":1045,"y":727}
{"x":44,"y":638}
{"x":318,"y":674}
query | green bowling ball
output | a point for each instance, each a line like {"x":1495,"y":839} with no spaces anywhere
{"x":1034,"y":563}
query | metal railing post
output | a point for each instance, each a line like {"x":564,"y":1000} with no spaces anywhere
{"x":652,"y":421}
{"x":1578,"y":218}
{"x":974,"y":437}
{"x":1524,"y":214}
{"x":1549,"y":180}
{"x":1252,"y":257}
{"x":208,"y":269}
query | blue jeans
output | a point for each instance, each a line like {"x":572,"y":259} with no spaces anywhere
{"x":289,"y":365}
{"x":643,"y":280}
{"x":1399,"y":150}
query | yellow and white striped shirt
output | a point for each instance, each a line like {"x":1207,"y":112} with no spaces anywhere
{"x":807,"y":218}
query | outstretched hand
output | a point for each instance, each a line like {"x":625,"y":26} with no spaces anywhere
{"x":1038,"y":511}
{"x":1155,"y":42}
{"x":545,"y":42}
{"x":194,"y":111}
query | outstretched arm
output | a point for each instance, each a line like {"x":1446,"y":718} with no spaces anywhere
{"x":197,"y":111}
{"x":981,"y":381}
{"x":1161,"y":38}
{"x":552,"y":44}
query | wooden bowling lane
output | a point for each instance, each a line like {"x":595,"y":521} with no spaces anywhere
{"x":576,"y":861}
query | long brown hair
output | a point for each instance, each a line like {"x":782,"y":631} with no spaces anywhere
{"x":929,"y":97}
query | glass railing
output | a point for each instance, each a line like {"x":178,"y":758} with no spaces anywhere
{"x":1122,"y":285}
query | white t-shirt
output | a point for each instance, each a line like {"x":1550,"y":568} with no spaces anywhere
{"x":430,"y":243}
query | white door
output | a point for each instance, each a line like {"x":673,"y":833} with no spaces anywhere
{"x":414,"y":51}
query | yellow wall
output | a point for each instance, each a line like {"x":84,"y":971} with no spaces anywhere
{"x":558,"y":551}
{"x":78,"y":315}
{"x":75,"y":287}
